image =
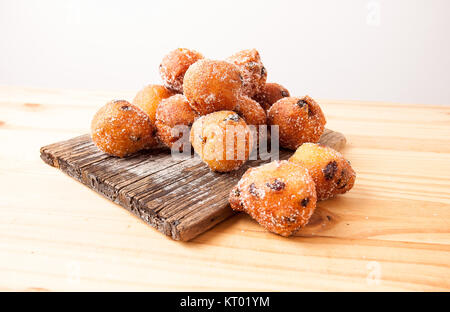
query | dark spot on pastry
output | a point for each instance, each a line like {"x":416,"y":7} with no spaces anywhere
{"x":304,"y":202}
{"x":286,"y":219}
{"x":241,"y":78}
{"x":330,"y":170}
{"x":348,"y":161}
{"x":310,"y":111}
{"x":203,"y":139}
{"x":284,"y":93}
{"x":340,"y":178}
{"x":125,"y":108}
{"x":253,"y":190}
{"x":232,"y":117}
{"x":237,"y":193}
{"x":343,"y":172}
{"x":301,"y":103}
{"x":263,"y":71}
{"x":276,"y":185}
{"x":329,"y":218}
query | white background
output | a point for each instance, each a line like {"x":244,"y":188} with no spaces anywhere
{"x":397,"y":50}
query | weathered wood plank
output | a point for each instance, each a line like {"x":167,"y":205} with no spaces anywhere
{"x":182,"y":198}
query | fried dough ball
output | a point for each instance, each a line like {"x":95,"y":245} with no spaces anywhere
{"x":120,"y":129}
{"x":149,"y":98}
{"x":271,"y":93}
{"x":251,"y":111}
{"x":280,"y":196}
{"x":300,"y":120}
{"x":212,"y":86}
{"x":222,"y":139}
{"x":331,"y":172}
{"x":172,"y":112}
{"x":252,"y":70}
{"x":253,"y":114}
{"x":174,"y":65}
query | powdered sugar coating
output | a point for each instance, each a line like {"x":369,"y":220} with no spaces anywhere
{"x":300,"y":120}
{"x":253,"y":72}
{"x":120,"y":129}
{"x":174,"y":66}
{"x":280,"y":196}
{"x":212,"y":86}
{"x":251,"y":111}
{"x":253,"y":114}
{"x":172,"y":112}
{"x":149,"y":97}
{"x":270,"y":93}
{"x":222,"y":139}
{"x":331,"y":172}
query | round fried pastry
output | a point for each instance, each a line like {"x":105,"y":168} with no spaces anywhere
{"x":149,"y":97}
{"x":300,"y":120}
{"x":251,"y":111}
{"x":212,"y":86}
{"x":121,"y":129}
{"x":174,"y":66}
{"x":253,"y":72}
{"x":280,"y":196}
{"x":222,"y":139}
{"x":271,"y":93}
{"x":174,"y":112}
{"x":331,"y":172}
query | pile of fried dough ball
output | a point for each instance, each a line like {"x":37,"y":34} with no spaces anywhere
{"x":208,"y":96}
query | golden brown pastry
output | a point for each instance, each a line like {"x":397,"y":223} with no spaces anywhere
{"x":212,"y":86}
{"x":222,"y":140}
{"x":120,"y":129}
{"x":253,"y":72}
{"x":172,"y":112}
{"x":331,"y":172}
{"x":149,"y":98}
{"x":174,"y":65}
{"x":270,"y":93}
{"x":300,"y":120}
{"x":254,"y":115}
{"x":251,"y":111}
{"x":280,"y":196}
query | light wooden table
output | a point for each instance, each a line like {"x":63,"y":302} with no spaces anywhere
{"x":391,"y":232}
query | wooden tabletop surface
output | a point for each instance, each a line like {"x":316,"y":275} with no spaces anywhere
{"x":391,"y":232}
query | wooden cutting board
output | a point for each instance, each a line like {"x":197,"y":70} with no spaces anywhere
{"x":181,"y":198}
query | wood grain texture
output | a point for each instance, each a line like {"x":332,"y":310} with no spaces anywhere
{"x":181,"y":198}
{"x":390,"y":232}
